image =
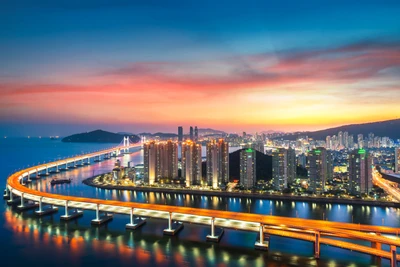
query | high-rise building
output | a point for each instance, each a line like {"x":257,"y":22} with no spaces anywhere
{"x":248,"y":167}
{"x":302,"y":160}
{"x":196,"y":134}
{"x":149,"y":158}
{"x":360,"y":171}
{"x":328,"y":142}
{"x":397,"y":160}
{"x":180,"y":133}
{"x":318,"y":172}
{"x":360,"y":140}
{"x":191,"y":163}
{"x":345,"y":139}
{"x":217,"y":163}
{"x":283,"y":167}
{"x":340,"y":139}
{"x":160,"y":160}
{"x":191,"y":133}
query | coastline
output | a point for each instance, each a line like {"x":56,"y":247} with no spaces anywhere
{"x":89,"y":182}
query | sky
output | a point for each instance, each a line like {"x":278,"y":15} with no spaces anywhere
{"x":75,"y":66}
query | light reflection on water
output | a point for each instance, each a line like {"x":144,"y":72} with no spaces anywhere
{"x":78,"y":243}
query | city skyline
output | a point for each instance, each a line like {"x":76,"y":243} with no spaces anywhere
{"x":262,"y":66}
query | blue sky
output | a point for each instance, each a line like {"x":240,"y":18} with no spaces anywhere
{"x":73,"y":42}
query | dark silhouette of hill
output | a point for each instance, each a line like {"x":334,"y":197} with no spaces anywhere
{"x":98,"y":136}
{"x":390,"y":128}
{"x":263,"y":166}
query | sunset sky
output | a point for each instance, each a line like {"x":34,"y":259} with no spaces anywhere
{"x":73,"y":66}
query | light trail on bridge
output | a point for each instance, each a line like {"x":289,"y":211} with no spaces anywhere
{"x":304,"y":229}
{"x":378,"y":180}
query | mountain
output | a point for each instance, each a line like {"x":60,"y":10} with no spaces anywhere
{"x":390,"y":128}
{"x":263,"y":166}
{"x":98,"y":136}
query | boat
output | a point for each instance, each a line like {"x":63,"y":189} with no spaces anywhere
{"x":60,"y":181}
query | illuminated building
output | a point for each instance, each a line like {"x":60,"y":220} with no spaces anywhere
{"x":248,"y":167}
{"x":328,"y":142}
{"x":360,"y":171}
{"x":217,"y":163}
{"x":397,"y":160}
{"x":191,"y":163}
{"x":319,"y":169}
{"x":360,"y":140}
{"x":160,"y":160}
{"x":283,"y":167}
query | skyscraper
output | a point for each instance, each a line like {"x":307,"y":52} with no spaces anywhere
{"x":180,"y":133}
{"x":328,"y":142}
{"x":318,"y":169}
{"x":397,"y":160}
{"x":191,"y":163}
{"x":196,"y":134}
{"x":283,"y":167}
{"x":160,"y":160}
{"x":360,"y":171}
{"x":360,"y":140}
{"x":340,"y":139}
{"x":217,"y":163}
{"x":149,"y":158}
{"x":191,"y":133}
{"x":248,"y":167}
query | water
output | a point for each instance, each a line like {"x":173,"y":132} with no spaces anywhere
{"x":24,"y":236}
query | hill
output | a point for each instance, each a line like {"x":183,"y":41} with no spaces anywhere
{"x":263,"y":166}
{"x":98,"y":136}
{"x":390,"y":128}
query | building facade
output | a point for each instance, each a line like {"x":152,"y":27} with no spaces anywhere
{"x":320,"y":169}
{"x":283,"y":167}
{"x":397,"y":160}
{"x":248,"y":167}
{"x":360,"y":171}
{"x":160,"y":160}
{"x":217,"y":163}
{"x":191,"y":163}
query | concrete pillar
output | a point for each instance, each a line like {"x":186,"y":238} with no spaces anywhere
{"x":47,"y":170}
{"x":317,"y":245}
{"x":132,"y":216}
{"x":57,"y":168}
{"x":261,"y":233}
{"x":40,"y":204}
{"x":22,"y":199}
{"x":29,"y":177}
{"x":66,"y":208}
{"x":11,"y":195}
{"x":22,"y":180}
{"x":393,"y":256}
{"x":212,"y":227}
{"x":97,"y":212}
{"x":170,"y":221}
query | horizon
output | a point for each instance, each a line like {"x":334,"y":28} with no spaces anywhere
{"x":70,"y":67}
{"x":176,"y":130}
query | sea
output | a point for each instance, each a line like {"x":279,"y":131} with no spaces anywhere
{"x":27,"y":240}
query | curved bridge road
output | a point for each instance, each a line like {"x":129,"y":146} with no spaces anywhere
{"x":316,"y":231}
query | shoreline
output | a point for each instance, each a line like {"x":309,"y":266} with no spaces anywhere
{"x":89,"y":182}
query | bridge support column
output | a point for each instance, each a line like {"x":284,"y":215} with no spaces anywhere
{"x":40,"y":205}
{"x":29,"y":177}
{"x":376,"y":244}
{"x":11,"y":196}
{"x":261,"y":243}
{"x":57,"y":170}
{"x":393,"y":256}
{"x":66,"y":209}
{"x":69,"y":216}
{"x":173,"y":228}
{"x":317,"y":245}
{"x":22,"y":201}
{"x":214,"y":237}
{"x":6,"y":193}
{"x":135,"y":222}
{"x":101,"y":219}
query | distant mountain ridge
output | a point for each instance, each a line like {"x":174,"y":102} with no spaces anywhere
{"x":389,"y":128}
{"x":98,"y":136}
